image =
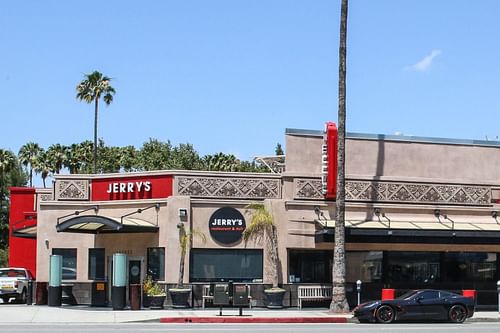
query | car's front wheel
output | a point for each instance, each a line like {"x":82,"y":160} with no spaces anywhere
{"x":457,"y":313}
{"x":385,"y":314}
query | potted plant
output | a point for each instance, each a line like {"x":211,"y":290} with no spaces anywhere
{"x":262,"y":226}
{"x":154,"y":294}
{"x":180,"y":294}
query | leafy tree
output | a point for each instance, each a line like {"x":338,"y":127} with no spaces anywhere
{"x":155,"y":155}
{"x":128,"y":159}
{"x":279,"y":150}
{"x":4,"y":257}
{"x":91,"y":89}
{"x":108,"y":158}
{"x":339,"y":300}
{"x":185,"y":157}
{"x":11,"y":174}
{"x":27,"y":156}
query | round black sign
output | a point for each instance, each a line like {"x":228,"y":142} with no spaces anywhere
{"x":226,"y":225}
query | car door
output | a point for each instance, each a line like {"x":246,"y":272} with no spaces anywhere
{"x":411,"y":309}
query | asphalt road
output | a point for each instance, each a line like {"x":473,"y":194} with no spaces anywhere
{"x":477,"y":327}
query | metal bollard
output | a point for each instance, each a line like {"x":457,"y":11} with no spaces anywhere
{"x":358,"y":288}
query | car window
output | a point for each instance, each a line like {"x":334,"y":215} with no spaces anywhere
{"x":12,"y":273}
{"x":407,"y":295}
{"x":430,"y":294}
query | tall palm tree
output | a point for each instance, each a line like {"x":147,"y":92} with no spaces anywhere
{"x":339,"y":300}
{"x":27,"y":155}
{"x":91,"y":89}
{"x":42,"y":166}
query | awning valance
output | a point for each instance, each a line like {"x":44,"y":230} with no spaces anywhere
{"x":96,"y":224}
{"x":419,"y":225}
{"x":25,"y":232}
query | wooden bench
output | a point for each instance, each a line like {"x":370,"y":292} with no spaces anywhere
{"x":207,"y":298}
{"x":313,"y":293}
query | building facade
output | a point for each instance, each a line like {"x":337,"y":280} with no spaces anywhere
{"x":420,"y":212}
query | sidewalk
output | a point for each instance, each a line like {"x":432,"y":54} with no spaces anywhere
{"x":18,"y":313}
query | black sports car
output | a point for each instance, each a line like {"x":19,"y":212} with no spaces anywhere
{"x":418,"y":305}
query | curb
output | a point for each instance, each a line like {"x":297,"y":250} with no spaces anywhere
{"x":253,"y":320}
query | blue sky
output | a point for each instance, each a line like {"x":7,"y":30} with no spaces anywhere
{"x":231,"y":75}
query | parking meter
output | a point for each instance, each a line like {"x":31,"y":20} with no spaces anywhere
{"x":358,"y":288}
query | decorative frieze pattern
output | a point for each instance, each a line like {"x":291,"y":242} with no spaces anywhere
{"x":308,"y":189}
{"x":45,"y":197}
{"x":378,"y":191}
{"x":237,"y":188}
{"x":417,"y":193}
{"x":72,"y":189}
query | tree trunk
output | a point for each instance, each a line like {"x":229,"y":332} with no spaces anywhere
{"x":273,"y":238}
{"x":182,"y":235}
{"x":339,"y":302}
{"x":95,"y":133}
{"x":31,"y":176}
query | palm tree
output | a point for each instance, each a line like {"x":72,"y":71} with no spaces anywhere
{"x":57,"y":157}
{"x":185,"y":238}
{"x":91,"y":89}
{"x":339,"y":300}
{"x":42,"y":166}
{"x":27,"y":155}
{"x":73,"y":158}
{"x":262,"y":226}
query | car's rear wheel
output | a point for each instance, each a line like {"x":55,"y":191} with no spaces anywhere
{"x":22,"y":298}
{"x":457,"y":313}
{"x":385,"y":314}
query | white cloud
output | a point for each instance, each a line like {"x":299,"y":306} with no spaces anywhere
{"x":424,"y":64}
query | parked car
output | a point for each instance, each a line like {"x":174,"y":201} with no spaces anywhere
{"x":14,"y":284}
{"x":418,"y":305}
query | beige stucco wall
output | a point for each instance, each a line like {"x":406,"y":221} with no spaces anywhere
{"x":399,"y":160}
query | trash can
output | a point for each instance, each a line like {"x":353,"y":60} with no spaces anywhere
{"x":41,"y":293}
{"x":98,"y":293}
{"x":135,"y":296}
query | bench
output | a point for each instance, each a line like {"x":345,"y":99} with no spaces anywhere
{"x":207,"y":298}
{"x":313,"y":293}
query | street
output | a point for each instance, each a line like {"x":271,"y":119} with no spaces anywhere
{"x":476,"y":327}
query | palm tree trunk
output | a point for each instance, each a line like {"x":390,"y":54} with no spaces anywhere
{"x":180,"y":282}
{"x":31,"y":176}
{"x":95,"y":133}
{"x":274,"y":256}
{"x":339,"y":300}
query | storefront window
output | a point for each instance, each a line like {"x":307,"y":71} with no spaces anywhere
{"x":156,"y":263}
{"x":310,"y":266}
{"x":96,"y":264}
{"x":364,"y":266}
{"x":413,"y":267}
{"x":68,"y":263}
{"x":470,"y":266}
{"x":208,"y":265}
